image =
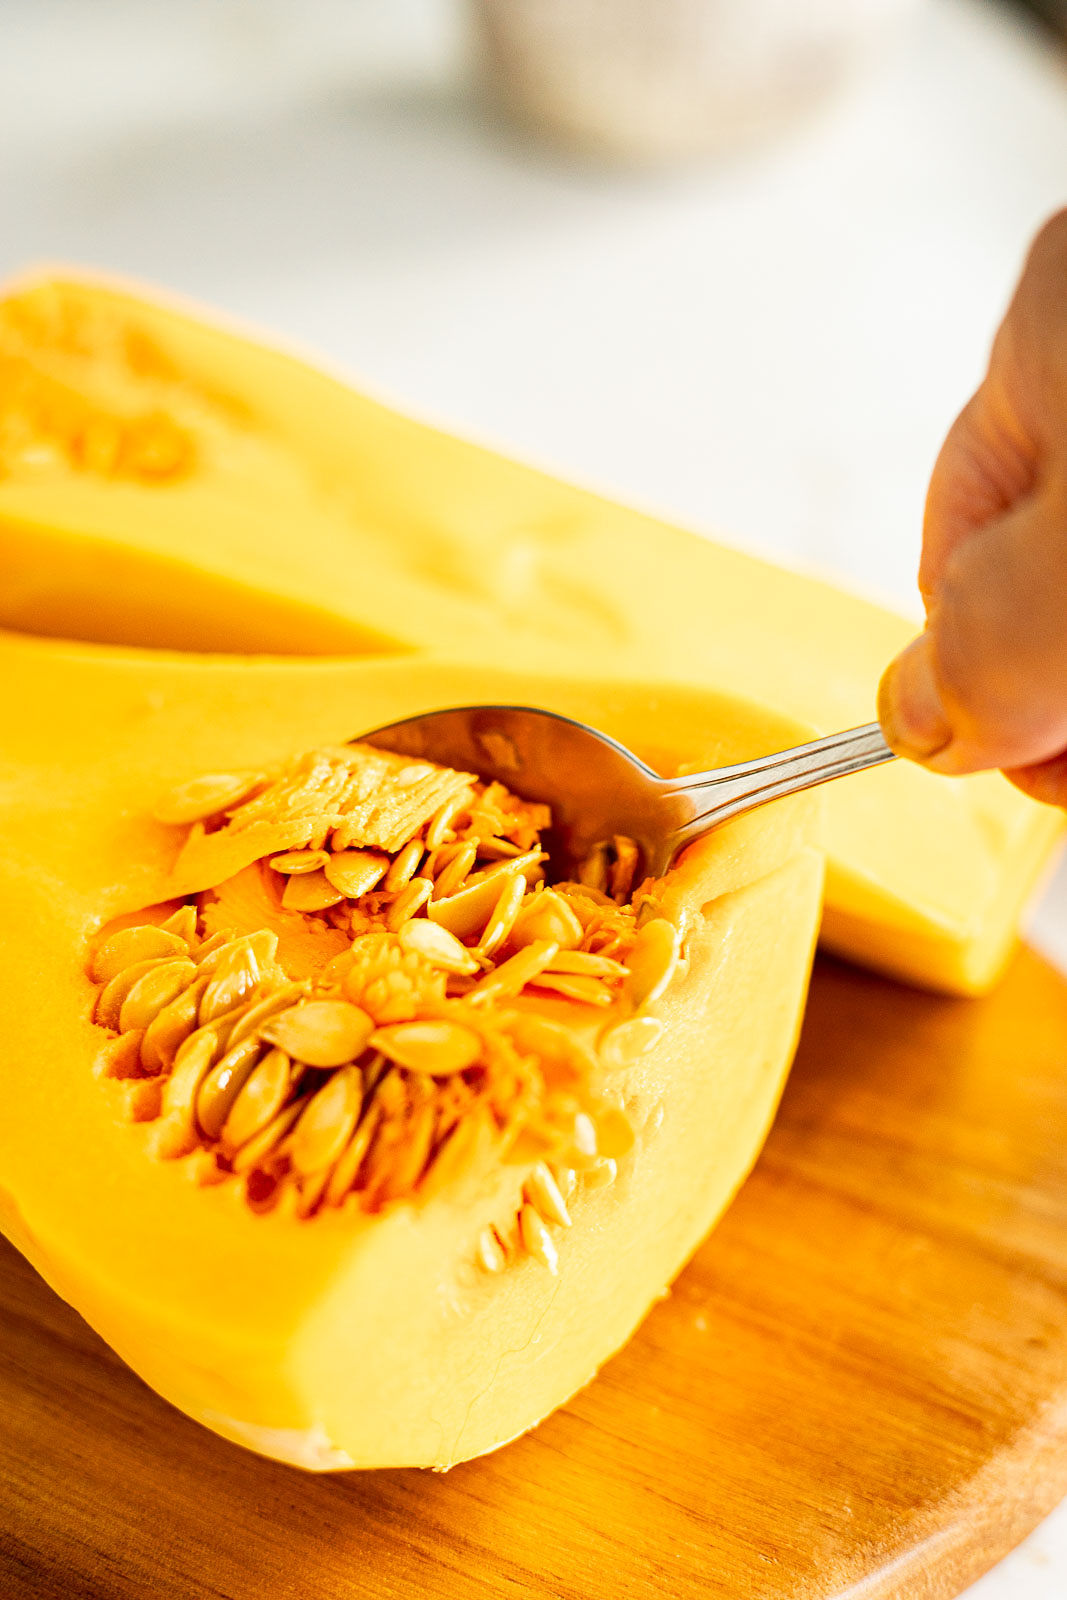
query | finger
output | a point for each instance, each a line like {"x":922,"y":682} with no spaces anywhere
{"x":991,"y":457}
{"x":987,"y":463}
{"x":1047,"y":781}
{"x":986,"y":684}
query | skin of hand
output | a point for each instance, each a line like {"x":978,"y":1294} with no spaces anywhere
{"x":985,"y":684}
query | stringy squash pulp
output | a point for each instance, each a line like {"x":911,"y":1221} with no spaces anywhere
{"x":353,"y":1018}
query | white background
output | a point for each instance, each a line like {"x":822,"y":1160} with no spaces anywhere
{"x":769,"y":348}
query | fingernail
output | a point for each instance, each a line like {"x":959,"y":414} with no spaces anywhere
{"x":909,"y":703}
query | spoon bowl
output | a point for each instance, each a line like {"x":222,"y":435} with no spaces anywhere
{"x":598,"y":789}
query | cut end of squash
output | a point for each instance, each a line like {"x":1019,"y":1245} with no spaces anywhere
{"x":380,"y":1143}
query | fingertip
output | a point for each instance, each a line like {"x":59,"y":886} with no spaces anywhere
{"x":910,"y":707}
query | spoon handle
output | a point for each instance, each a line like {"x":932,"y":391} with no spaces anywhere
{"x":726,"y":791}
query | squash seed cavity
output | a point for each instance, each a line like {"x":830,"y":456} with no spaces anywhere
{"x":367,"y":1028}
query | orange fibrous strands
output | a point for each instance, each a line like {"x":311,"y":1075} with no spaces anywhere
{"x":348,"y":1052}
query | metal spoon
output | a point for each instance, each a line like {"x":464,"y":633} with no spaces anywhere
{"x":598,"y":788}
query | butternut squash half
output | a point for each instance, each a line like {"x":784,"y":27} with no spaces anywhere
{"x":348,"y":1170}
{"x":167,"y":482}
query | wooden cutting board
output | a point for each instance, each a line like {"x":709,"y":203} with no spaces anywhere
{"x":858,"y":1387}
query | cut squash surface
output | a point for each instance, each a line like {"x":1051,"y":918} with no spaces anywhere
{"x":387,"y":1313}
{"x":168,"y":482}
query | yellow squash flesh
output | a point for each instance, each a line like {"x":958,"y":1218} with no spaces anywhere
{"x":348,"y":1340}
{"x":167,"y":482}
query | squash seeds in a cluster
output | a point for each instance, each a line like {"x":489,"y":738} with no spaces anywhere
{"x":460,"y":1004}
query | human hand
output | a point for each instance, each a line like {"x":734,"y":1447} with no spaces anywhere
{"x":985,"y":685}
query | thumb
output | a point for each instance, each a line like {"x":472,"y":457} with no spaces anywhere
{"x":986,"y":684}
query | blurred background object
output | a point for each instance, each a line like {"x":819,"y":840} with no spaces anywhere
{"x":1054,"y":12}
{"x":644,"y":82}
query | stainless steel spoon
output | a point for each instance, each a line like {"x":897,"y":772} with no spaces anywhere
{"x":598,"y":788}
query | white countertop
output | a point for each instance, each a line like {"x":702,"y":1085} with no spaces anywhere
{"x":770,"y":348}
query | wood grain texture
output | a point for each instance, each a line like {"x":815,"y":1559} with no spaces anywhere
{"x":858,"y":1387}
